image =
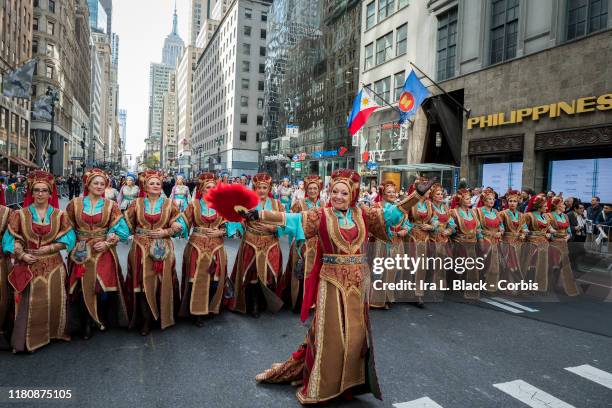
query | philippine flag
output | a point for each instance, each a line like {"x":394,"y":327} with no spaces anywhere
{"x":363,"y":106}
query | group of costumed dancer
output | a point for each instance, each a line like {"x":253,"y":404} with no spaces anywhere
{"x":44,"y":299}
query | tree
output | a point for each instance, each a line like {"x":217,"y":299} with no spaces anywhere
{"x":151,"y":162}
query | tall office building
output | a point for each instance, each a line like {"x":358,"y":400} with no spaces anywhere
{"x":158,"y":86}
{"x":173,"y":44}
{"x":98,"y":19}
{"x":228,"y":85}
{"x":15,"y":112}
{"x":199,"y":12}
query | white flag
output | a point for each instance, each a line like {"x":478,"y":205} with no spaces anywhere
{"x":42,"y":107}
{"x":18,"y":83}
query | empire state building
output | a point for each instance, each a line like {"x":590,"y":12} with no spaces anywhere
{"x":173,"y":44}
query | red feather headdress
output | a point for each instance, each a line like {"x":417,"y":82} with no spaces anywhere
{"x":228,"y":199}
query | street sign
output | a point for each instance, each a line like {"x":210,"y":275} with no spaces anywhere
{"x":77,"y":158}
{"x":298,"y":165}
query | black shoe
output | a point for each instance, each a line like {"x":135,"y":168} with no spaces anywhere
{"x":145,"y":330}
{"x":87,"y":331}
{"x":420,"y":304}
{"x":199,"y":322}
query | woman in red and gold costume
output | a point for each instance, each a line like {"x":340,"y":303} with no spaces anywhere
{"x":443,"y":227}
{"x":151,"y":283}
{"x":7,"y":304}
{"x":204,"y":258}
{"x":535,"y":249}
{"x":390,"y":247}
{"x":492,"y":229}
{"x":558,"y":252}
{"x":35,"y":236}
{"x":337,"y":357}
{"x":467,"y":234}
{"x":302,"y":254}
{"x":420,"y":218}
{"x":515,"y":231}
{"x":257,"y":276}
{"x":96,"y":285}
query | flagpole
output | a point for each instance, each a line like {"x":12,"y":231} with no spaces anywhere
{"x":467,"y":111}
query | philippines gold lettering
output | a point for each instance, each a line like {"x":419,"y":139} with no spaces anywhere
{"x":539,"y":110}
{"x":523,"y":113}
{"x":567,"y":109}
{"x":586,"y":104}
{"x":472,"y":121}
{"x":604,"y":102}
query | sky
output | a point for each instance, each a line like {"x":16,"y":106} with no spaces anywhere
{"x":142,"y":26}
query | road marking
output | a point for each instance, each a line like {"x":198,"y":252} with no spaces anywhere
{"x":501,"y":306}
{"x":594,"y":374}
{"x":424,"y":402}
{"x":530,"y":395}
{"x":517,"y":305}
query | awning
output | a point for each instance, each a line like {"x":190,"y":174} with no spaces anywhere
{"x":22,"y":162}
{"x":419,"y":167}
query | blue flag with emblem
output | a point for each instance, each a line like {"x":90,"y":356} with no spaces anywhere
{"x":413,"y":95}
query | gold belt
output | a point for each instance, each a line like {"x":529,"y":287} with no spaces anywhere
{"x":537,"y":234}
{"x":263,"y":234}
{"x":143,"y":232}
{"x":84,"y":235}
{"x":512,"y":234}
{"x":344,"y":259}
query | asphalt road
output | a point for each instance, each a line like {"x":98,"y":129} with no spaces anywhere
{"x":450,"y":354}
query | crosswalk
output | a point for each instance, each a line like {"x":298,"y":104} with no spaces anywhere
{"x":529,"y":394}
{"x":508,"y":305}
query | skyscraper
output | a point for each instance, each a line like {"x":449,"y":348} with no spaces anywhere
{"x":200,"y":11}
{"x":173,"y":44}
{"x":98,"y":19}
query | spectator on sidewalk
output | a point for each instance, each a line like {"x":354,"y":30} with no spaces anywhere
{"x":594,"y":210}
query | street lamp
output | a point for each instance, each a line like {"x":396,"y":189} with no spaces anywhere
{"x":218,"y":143}
{"x":199,"y":149}
{"x":53,"y":93}
{"x":83,"y":163}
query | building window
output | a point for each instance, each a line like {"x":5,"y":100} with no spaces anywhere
{"x":447,"y":44}
{"x":50,"y":50}
{"x":34,"y":46}
{"x":246,"y":49}
{"x":50,"y":28}
{"x":260,"y":103}
{"x":52,"y":6}
{"x":244,"y":101}
{"x":264,"y":16}
{"x":262,"y":34}
{"x":49,"y":71}
{"x":247,"y":31}
{"x":370,"y":15}
{"x":259,"y":120}
{"x":244,"y":119}
{"x":262,"y":68}
{"x":369,"y":56}
{"x":384,"y":47}
{"x":35,"y":24}
{"x":399,"y":85}
{"x":504,"y":29}
{"x":243,"y":136}
{"x":248,"y":13}
{"x":385,"y":9}
{"x":401,"y":4}
{"x":383,"y":88}
{"x":257,"y":137}
{"x":35,"y":3}
{"x":245,"y":83}
{"x":262,"y":51}
{"x":260,"y":85}
{"x":401,"y":40}
{"x":585,"y":17}
{"x":246,"y":66}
